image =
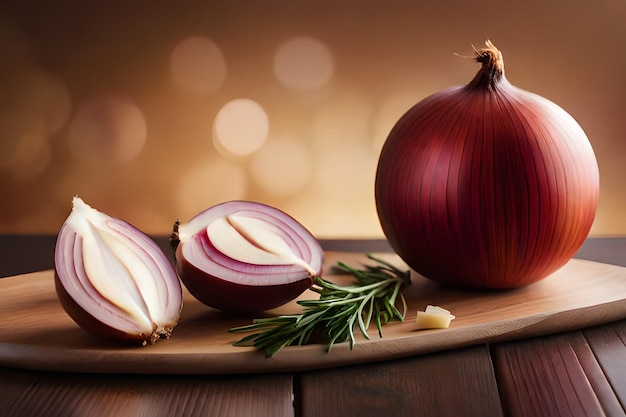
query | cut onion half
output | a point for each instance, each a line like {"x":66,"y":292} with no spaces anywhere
{"x":246,"y":257}
{"x":113,"y":280}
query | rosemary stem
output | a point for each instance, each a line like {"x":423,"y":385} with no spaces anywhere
{"x":337,"y":312}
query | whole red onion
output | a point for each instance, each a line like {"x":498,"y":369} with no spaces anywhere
{"x":486,"y":185}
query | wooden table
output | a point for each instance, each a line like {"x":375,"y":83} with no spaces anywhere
{"x":577,"y":373}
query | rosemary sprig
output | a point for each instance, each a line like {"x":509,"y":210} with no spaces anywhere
{"x":338,"y":311}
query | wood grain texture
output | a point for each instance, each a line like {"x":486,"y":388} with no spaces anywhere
{"x":51,"y":394}
{"x":454,"y":383}
{"x":609,"y":346}
{"x":35,"y":332}
{"x":598,"y":380}
{"x":553,"y":376}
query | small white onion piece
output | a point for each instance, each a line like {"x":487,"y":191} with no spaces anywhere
{"x":113,"y":280}
{"x":246,"y":257}
{"x":434,"y":317}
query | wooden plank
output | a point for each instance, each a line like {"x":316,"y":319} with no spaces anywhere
{"x":552,"y":376}
{"x":50,"y":394}
{"x":609,"y":346}
{"x":454,"y":383}
{"x":35,"y":332}
{"x":598,"y":380}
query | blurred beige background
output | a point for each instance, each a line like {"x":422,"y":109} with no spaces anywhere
{"x":154,"y":110}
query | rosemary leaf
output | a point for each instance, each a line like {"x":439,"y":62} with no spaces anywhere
{"x":337,"y":312}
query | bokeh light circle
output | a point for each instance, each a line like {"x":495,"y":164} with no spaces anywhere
{"x":197,"y":65}
{"x":303,"y":64}
{"x":240,"y":128}
{"x":389,"y":111}
{"x":207,"y":183}
{"x":346,"y":172}
{"x":282,"y":167}
{"x":39,"y":93}
{"x":107,"y":129}
{"x":46,"y":95}
{"x":24,"y":147}
{"x":344,"y":120}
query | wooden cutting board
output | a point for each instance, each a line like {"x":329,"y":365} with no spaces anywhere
{"x":35,"y":332}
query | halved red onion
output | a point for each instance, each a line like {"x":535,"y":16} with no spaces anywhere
{"x":246,"y":257}
{"x":113,"y":280}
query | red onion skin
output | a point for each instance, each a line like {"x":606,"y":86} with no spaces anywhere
{"x":91,"y":324}
{"x":231,"y":297}
{"x":486,"y":185}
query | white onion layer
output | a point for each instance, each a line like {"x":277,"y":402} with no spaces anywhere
{"x":253,"y":241}
{"x":249,"y":243}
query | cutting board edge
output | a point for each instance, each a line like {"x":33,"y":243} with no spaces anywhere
{"x":24,"y":356}
{"x":29,"y":357}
